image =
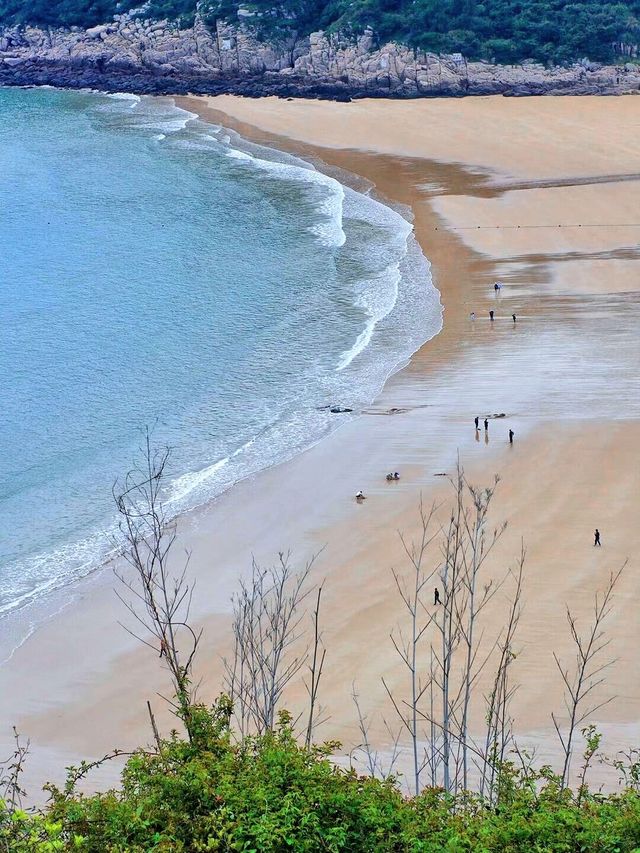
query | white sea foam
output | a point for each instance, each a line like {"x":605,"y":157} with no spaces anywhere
{"x":391,"y":288}
{"x":378,"y":298}
{"x":330,"y":231}
{"x":169,"y":124}
{"x":184,"y":485}
{"x":125,"y":96}
{"x":146,"y":115}
{"x":79,"y":557}
{"x":200,"y":143}
{"x":15,"y":603}
{"x":175,"y":124}
{"x":377,"y":295}
{"x":203,"y":480}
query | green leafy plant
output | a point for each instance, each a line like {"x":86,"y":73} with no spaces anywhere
{"x":269,"y":793}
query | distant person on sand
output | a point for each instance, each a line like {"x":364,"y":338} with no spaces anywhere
{"x":486,"y":424}
{"x":389,"y":478}
{"x":396,"y":476}
{"x":360,"y":497}
{"x":497,"y":286}
{"x":511,"y":434}
{"x":436,"y":596}
{"x":472,"y":316}
{"x":513,"y":317}
{"x":476,"y":421}
{"x":596,"y":539}
{"x":491,"y":316}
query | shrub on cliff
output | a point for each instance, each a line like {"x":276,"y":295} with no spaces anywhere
{"x":505,"y":31}
{"x":270,"y":794}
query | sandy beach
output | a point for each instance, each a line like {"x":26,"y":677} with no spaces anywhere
{"x":540,"y":194}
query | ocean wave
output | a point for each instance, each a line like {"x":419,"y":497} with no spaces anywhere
{"x":125,"y":96}
{"x":166,"y":126}
{"x":73,"y":560}
{"x":162,"y":120}
{"x":171,"y":124}
{"x":378,"y":294}
{"x":377,"y":299}
{"x":187,"y":483}
{"x":330,"y":232}
{"x":394,"y":286}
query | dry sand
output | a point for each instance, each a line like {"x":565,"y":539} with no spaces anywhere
{"x":565,"y":375}
{"x":523,"y":138}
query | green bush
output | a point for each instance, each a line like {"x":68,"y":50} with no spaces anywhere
{"x":269,"y":794}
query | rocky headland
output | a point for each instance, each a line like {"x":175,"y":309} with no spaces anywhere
{"x":143,"y":56}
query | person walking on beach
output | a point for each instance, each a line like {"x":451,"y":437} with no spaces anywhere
{"x":476,"y":421}
{"x":486,"y":425}
{"x":472,"y":316}
{"x":596,"y":539}
{"x":513,"y":317}
{"x":496,"y":286}
{"x":436,"y":596}
{"x":511,"y":434}
{"x":491,"y":316}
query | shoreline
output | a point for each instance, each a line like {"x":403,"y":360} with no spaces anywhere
{"x":36,"y":607}
{"x":559,"y":82}
{"x":578,"y":454}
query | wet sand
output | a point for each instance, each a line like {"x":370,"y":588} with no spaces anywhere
{"x":565,"y":375}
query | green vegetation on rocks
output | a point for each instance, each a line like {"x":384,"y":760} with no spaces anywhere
{"x":504,"y":31}
{"x":89,"y":13}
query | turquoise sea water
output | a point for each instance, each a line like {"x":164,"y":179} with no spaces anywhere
{"x":157,"y":270}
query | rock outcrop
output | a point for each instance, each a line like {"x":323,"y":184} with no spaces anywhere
{"x":139,"y":56}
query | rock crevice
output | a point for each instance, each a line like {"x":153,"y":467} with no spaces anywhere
{"x":158,"y":57}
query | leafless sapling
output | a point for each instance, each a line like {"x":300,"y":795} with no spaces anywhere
{"x":499,"y":734}
{"x":477,"y":547}
{"x":587,"y":676}
{"x":413,"y":592}
{"x":157,"y":595}
{"x":269,"y":649}
{"x":455,"y":665}
{"x":11,"y":770}
{"x":376,"y":765}
{"x":318,"y":655}
{"x":446,"y":649}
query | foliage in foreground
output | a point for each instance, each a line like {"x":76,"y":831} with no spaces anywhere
{"x":270,"y":794}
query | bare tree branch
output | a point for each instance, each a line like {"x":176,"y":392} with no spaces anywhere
{"x":157,"y":598}
{"x":269,"y":648}
{"x":582,"y":681}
